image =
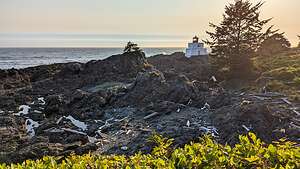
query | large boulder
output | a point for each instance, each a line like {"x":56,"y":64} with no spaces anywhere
{"x":54,"y":105}
{"x":151,"y":86}
{"x":182,"y":90}
{"x":195,"y":68}
{"x":13,"y":78}
{"x":33,"y":151}
{"x":71,"y":69}
{"x":241,"y":118}
{"x":121,"y":68}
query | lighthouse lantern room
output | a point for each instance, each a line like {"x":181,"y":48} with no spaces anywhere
{"x":196,"y":49}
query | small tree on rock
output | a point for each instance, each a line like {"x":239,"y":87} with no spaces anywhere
{"x":131,"y":47}
{"x":276,"y":43}
{"x":237,"y":38}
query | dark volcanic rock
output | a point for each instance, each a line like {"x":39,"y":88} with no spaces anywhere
{"x":13,"y":78}
{"x":152,"y":86}
{"x":115,"y":105}
{"x":71,"y":69}
{"x":183,"y":90}
{"x":240,"y":119}
{"x":195,"y":68}
{"x":149,"y":86}
{"x":54,"y":105}
{"x":120,"y":68}
{"x":8,"y":102}
{"x":86,"y":148}
{"x":33,"y":151}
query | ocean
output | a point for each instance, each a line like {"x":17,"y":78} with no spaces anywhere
{"x":28,"y":57}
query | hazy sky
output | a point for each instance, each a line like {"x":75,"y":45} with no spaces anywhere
{"x":101,"y":23}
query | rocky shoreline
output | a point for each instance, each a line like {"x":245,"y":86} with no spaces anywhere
{"x":114,"y":106}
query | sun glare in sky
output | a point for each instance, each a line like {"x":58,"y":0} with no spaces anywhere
{"x":110,"y":23}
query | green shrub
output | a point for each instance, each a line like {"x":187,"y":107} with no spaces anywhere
{"x":284,"y":73}
{"x":297,"y":81}
{"x":250,"y":152}
{"x":276,"y":86}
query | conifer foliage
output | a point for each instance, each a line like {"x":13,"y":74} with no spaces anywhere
{"x":237,"y":37}
{"x":131,"y":47}
{"x":274,"y":44}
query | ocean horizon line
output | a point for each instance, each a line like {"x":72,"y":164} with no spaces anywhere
{"x":28,"y":57}
{"x":90,"y":40}
{"x":151,"y":47}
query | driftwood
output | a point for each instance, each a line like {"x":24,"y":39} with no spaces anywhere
{"x":145,"y":130}
{"x":296,"y":112}
{"x":114,"y":121}
{"x":74,"y":131}
{"x":120,"y":120}
{"x":119,"y":132}
{"x":270,"y":94}
{"x":262,"y":98}
{"x":295,"y":126}
{"x":151,"y":115}
{"x":105,"y":126}
{"x":286,"y":101}
{"x":103,"y":135}
{"x":246,"y":128}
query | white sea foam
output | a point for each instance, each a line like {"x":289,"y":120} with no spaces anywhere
{"x":30,"y":125}
{"x":24,"y":109}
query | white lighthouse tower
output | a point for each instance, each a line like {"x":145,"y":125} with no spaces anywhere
{"x":196,"y":48}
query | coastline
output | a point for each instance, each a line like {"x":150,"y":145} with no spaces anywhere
{"x":107,"y":105}
{"x":27,"y":57}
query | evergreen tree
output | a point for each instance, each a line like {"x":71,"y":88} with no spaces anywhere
{"x":131,"y":47}
{"x":274,"y":44}
{"x":299,"y":41}
{"x":237,"y":37}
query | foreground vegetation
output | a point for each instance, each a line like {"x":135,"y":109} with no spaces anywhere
{"x":282,"y":72}
{"x":250,"y":152}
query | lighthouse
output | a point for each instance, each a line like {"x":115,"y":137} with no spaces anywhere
{"x":196,"y":49}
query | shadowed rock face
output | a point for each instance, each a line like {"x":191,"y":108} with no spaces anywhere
{"x":195,"y":68}
{"x":119,"y":102}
